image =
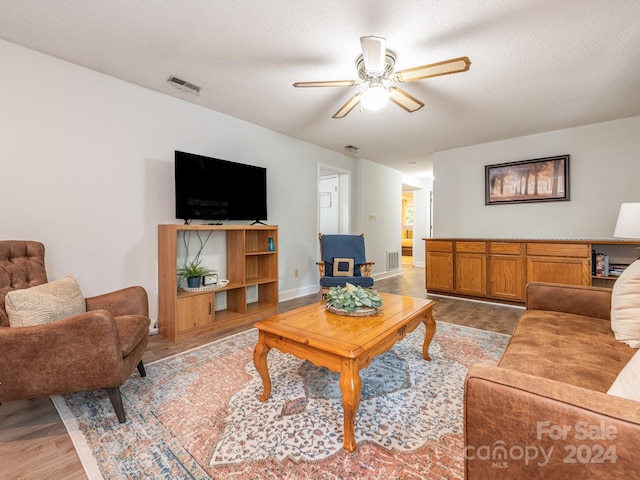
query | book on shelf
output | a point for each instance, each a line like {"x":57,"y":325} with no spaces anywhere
{"x":616,"y":269}
{"x":602,"y":265}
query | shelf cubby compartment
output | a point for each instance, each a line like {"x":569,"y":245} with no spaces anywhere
{"x":257,"y":241}
{"x":267,"y":299}
{"x":260,"y":269}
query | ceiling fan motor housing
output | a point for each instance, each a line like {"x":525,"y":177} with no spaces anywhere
{"x":389,"y":65}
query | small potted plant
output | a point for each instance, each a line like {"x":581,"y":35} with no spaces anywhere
{"x":193,"y":272}
{"x":353,"y":301}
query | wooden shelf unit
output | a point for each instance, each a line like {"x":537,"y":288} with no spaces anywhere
{"x":249,"y":265}
{"x":498,"y":269}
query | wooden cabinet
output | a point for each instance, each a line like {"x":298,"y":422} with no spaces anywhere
{"x":471,"y":268}
{"x":559,"y":263}
{"x":506,"y":279}
{"x":250,"y":295}
{"x":439,"y":260}
{"x":500,"y":269}
{"x":194,"y":312}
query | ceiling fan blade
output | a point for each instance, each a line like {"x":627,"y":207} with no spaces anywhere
{"x":347,"y":107}
{"x":328,"y":83}
{"x":404,"y":100}
{"x":373,"y":53}
{"x":455,"y":65}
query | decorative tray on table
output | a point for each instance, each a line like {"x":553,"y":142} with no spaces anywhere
{"x":220,"y":284}
{"x":361,"y":312}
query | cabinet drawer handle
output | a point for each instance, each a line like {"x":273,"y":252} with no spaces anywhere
{"x":209,"y":308}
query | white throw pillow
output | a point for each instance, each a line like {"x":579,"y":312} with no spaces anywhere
{"x":625,"y":306}
{"x":627,"y":383}
{"x":45,"y":303}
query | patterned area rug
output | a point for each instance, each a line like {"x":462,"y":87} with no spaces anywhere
{"x":197,"y":414}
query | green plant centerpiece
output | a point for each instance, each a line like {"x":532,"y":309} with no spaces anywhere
{"x":193,"y":272}
{"x":352,"y":300}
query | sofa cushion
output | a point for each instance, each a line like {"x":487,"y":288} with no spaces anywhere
{"x":625,"y":306}
{"x":45,"y":303}
{"x":328,"y":282}
{"x":627,"y":384}
{"x":343,"y":267}
{"x":568,"y":348}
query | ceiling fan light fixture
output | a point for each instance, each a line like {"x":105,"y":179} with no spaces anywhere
{"x":376,"y":71}
{"x":375,"y":97}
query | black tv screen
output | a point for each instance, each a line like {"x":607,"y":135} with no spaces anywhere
{"x":213,"y":189}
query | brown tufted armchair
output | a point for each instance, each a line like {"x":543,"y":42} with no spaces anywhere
{"x":93,"y":350}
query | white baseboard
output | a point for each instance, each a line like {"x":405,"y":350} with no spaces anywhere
{"x":388,"y":274}
{"x":486,"y":302}
{"x":298,"y":292}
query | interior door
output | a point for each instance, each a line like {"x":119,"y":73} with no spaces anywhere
{"x":329,"y":189}
{"x":334,"y":202}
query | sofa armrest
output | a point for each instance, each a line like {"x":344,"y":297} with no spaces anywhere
{"x":321,"y":267}
{"x":127,"y":301}
{"x":365,"y":268}
{"x":575,"y":299}
{"x":520,"y":426}
{"x":82,"y":352}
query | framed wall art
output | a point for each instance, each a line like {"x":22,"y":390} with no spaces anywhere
{"x":536,"y":180}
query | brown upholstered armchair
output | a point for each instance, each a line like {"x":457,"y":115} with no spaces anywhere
{"x":93,"y":350}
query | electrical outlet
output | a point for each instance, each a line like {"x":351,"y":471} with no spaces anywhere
{"x":373,"y":216}
{"x":295,"y":273}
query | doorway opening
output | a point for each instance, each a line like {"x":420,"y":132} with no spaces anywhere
{"x":407,"y":227}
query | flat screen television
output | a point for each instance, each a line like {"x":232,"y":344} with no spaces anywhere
{"x":213,"y":189}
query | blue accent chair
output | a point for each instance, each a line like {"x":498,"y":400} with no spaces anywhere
{"x":343,"y":261}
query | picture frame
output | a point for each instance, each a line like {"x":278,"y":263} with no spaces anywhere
{"x":528,"y":181}
{"x":211,"y":279}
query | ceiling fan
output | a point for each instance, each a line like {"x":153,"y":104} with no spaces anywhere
{"x":375,"y":70}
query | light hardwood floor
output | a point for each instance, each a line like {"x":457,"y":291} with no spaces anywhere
{"x":34,"y":443}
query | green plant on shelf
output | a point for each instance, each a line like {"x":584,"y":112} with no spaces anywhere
{"x":352,"y":298}
{"x":193,"y":269}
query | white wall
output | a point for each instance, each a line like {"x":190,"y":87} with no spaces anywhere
{"x":380,"y":197}
{"x":87,"y":168}
{"x":604,"y":172}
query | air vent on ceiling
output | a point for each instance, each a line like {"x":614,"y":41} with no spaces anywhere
{"x":184,"y":86}
{"x":352,"y":148}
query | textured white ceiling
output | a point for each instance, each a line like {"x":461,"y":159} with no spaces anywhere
{"x":537,"y":65}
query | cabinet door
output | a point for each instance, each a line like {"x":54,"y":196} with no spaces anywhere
{"x":471,"y":273}
{"x":439,"y":271}
{"x":505,"y":277}
{"x":566,"y":270}
{"x":194,"y":311}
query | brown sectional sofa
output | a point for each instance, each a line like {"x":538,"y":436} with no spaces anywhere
{"x":543,"y":412}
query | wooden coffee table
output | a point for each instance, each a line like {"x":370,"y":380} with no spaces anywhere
{"x":342,"y":344}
